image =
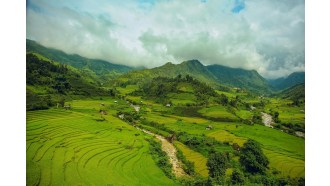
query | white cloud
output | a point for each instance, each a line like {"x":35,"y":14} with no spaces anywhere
{"x":267,"y":36}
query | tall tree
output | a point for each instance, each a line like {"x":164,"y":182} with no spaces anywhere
{"x":252,"y":158}
{"x":217,"y":165}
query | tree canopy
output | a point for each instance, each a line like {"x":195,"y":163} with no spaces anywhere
{"x":252,"y":158}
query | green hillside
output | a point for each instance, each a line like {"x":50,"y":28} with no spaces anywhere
{"x":211,"y":114}
{"x":295,"y":92}
{"x":248,"y":79}
{"x":193,"y":68}
{"x":72,"y":148}
{"x":287,"y":82}
{"x":49,"y":82}
{"x":214,"y":75}
{"x":99,"y":67}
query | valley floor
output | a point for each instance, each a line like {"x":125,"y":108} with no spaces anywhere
{"x":83,"y":147}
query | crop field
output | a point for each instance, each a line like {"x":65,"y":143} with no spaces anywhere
{"x":225,"y":136}
{"x":182,"y":98}
{"x":288,"y":114}
{"x":244,"y":114}
{"x":286,"y":153}
{"x":81,"y":147}
{"x":128,"y":89}
{"x":286,"y":165}
{"x":198,"y":159}
{"x":219,"y":112}
{"x":72,"y":148}
{"x":185,"y":87}
{"x":228,"y":94}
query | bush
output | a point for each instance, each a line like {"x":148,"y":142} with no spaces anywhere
{"x":237,"y":178}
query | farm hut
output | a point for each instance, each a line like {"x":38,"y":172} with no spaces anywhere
{"x":236,"y":147}
{"x":103,"y":112}
{"x":67,"y":107}
{"x":209,"y":127}
{"x":171,"y":138}
{"x":168,"y":105}
{"x":121,"y":116}
{"x":102,"y":104}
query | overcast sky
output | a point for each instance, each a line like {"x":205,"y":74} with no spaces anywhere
{"x":265,"y":35}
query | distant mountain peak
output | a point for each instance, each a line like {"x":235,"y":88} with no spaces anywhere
{"x":291,"y":80}
{"x":168,"y":64}
{"x":193,"y":62}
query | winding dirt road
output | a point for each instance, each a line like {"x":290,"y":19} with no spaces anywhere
{"x":171,"y":153}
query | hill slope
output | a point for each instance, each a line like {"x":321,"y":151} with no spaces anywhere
{"x":47,"y":82}
{"x":214,"y":75}
{"x":192,"y":68}
{"x":249,"y":79}
{"x":99,"y":67}
{"x":296,"y":92}
{"x":290,"y":81}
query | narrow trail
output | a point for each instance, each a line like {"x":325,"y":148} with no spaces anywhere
{"x":171,"y":153}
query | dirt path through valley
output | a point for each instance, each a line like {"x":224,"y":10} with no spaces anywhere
{"x":171,"y":153}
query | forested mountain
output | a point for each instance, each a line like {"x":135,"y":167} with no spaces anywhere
{"x":192,"y":67}
{"x":290,"y":81}
{"x":249,"y":79}
{"x":47,"y":82}
{"x":295,"y":93}
{"x":99,"y":67}
{"x":214,"y":75}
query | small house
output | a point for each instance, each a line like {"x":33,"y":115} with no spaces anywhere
{"x":168,"y":105}
{"x":209,"y":127}
{"x":121,"y":116}
{"x":236,"y":147}
{"x":67,"y":107}
{"x":103,"y":112}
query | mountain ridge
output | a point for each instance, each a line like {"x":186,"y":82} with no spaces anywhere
{"x":99,"y":67}
{"x":283,"y":83}
{"x":233,"y":77}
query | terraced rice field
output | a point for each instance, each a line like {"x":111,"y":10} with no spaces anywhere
{"x":286,"y":165}
{"x":128,"y":89}
{"x":285,"y":152}
{"x":225,"y":136}
{"x":219,"y":112}
{"x":182,"y":98}
{"x":198,"y":159}
{"x":72,"y":148}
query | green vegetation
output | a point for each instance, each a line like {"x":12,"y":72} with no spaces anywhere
{"x":70,"y":147}
{"x":161,"y":158}
{"x":196,"y":158}
{"x":217,"y":165}
{"x":290,"y":81}
{"x":90,"y":66}
{"x":252,"y":158}
{"x":84,"y":124}
{"x":48,"y":83}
